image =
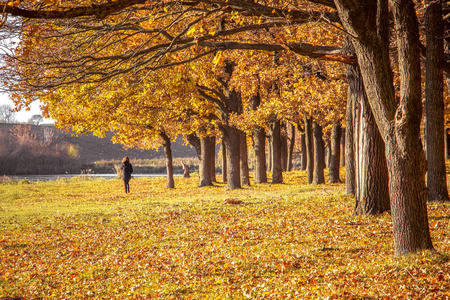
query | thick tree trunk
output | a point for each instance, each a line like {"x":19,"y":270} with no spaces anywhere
{"x":232,"y":143}
{"x":291,"y":147}
{"x":277,"y":174}
{"x":370,"y":169}
{"x":259,"y":146}
{"x":372,"y":179}
{"x":245,"y":173}
{"x":169,"y":160}
{"x":398,"y":121}
{"x":342,"y":162}
{"x":309,"y":150}
{"x":335,"y":154}
{"x":206,"y":161}
{"x":224,"y":161}
{"x":434,"y":104}
{"x":303,"y":153}
{"x":319,"y":154}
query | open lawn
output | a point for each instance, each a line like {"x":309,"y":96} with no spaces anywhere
{"x":84,"y":238}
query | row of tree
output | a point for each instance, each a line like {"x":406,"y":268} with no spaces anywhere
{"x":152,"y":71}
{"x":8,"y":115}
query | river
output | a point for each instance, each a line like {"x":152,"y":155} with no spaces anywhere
{"x":55,"y":177}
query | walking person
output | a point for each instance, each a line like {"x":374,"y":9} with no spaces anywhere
{"x":127,"y":169}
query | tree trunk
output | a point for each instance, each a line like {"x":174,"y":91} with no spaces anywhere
{"x":259,"y":146}
{"x":350,"y":176}
{"x":277,"y":174}
{"x":205,"y":161}
{"x":328,"y":154}
{"x":291,"y":148}
{"x":342,"y":162}
{"x":212,"y":153}
{"x":169,"y":160}
{"x":309,"y":150}
{"x":319,"y":154}
{"x":434,"y":104}
{"x":372,"y":182}
{"x":370,"y":169}
{"x":446,"y":139}
{"x":232,"y":144}
{"x":398,"y":121}
{"x":185,"y":170}
{"x":284,"y":146}
{"x":270,"y":152}
{"x":224,"y":161}
{"x":245,"y":173}
{"x":335,"y":154}
{"x":303,"y":158}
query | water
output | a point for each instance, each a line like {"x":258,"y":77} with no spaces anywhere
{"x":68,"y":176}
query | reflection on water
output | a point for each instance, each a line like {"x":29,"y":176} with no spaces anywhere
{"x":68,"y":176}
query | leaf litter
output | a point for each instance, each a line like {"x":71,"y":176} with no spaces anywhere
{"x":82,"y":239}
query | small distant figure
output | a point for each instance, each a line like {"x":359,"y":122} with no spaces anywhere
{"x":127,"y":169}
{"x":186,"y":171}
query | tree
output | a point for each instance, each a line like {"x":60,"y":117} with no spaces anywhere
{"x":434,"y":104}
{"x":7,"y":115}
{"x":36,"y":119}
{"x":398,"y":121}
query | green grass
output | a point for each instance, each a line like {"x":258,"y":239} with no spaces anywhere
{"x":84,"y":238}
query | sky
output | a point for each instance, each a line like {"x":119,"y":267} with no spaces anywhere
{"x":23,"y":116}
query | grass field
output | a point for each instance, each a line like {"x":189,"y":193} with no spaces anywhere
{"x":85,"y":239}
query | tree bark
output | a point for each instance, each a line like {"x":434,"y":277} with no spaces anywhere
{"x":232,"y":143}
{"x":328,"y":154}
{"x":370,"y":168}
{"x":277,"y":174}
{"x":270,"y":152}
{"x":224,"y":161}
{"x":284,"y":146}
{"x":245,"y":173}
{"x":446,"y":139}
{"x":434,"y":104}
{"x":319,"y":154}
{"x":212,"y":153}
{"x":259,"y":146}
{"x":291,"y":147}
{"x":169,"y":160}
{"x":350,"y":176}
{"x":342,"y":162}
{"x":372,"y":179}
{"x":205,"y":161}
{"x":309,"y":150}
{"x":335,"y":154}
{"x":398,"y":121}
{"x":303,"y":153}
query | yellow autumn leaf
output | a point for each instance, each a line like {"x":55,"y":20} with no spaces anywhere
{"x":218,"y":59}
{"x":191,"y":31}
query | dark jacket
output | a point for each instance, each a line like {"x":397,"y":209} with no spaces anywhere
{"x":127,"y":169}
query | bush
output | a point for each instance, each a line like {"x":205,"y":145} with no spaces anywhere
{"x":24,"y":152}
